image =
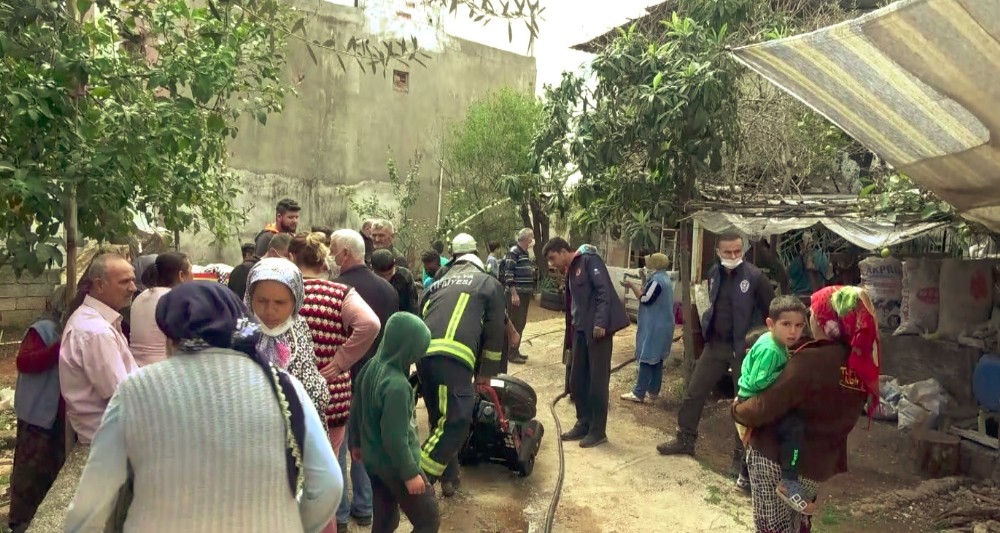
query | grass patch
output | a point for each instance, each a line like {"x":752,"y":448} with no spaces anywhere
{"x":714,"y":495}
{"x":832,"y":515}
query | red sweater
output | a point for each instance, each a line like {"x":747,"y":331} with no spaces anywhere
{"x":322,"y":308}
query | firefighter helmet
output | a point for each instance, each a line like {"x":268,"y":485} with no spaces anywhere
{"x":463,"y":243}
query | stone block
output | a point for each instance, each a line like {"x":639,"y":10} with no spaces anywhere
{"x":9,"y":290}
{"x":8,"y":304}
{"x":39,"y":289}
{"x":7,"y":275}
{"x":912,"y":358}
{"x":35,"y":303}
{"x":17,"y":319}
{"x":54,"y":276}
{"x":978,"y":461}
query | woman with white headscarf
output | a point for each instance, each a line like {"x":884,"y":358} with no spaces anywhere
{"x":275,"y":295}
{"x":655,"y":332}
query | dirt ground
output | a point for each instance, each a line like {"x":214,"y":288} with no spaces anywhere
{"x":625,"y":485}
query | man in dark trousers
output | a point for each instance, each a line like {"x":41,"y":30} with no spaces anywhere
{"x":594,"y":315}
{"x":347,"y":249}
{"x":740,"y":295}
{"x":286,"y":220}
{"x":518,"y":276}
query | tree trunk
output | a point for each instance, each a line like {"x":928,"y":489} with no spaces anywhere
{"x":686,"y":237}
{"x":540,"y":227}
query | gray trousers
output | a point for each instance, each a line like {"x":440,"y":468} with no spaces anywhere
{"x":717,"y":358}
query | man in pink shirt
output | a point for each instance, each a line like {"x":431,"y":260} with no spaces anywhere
{"x":95,"y":357}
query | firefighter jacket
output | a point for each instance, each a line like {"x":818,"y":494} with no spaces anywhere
{"x":465,"y":312}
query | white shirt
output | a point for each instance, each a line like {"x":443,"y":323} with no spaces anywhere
{"x":148,"y":343}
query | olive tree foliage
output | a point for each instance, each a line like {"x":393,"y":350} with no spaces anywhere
{"x":122,"y":108}
{"x":494,"y":183}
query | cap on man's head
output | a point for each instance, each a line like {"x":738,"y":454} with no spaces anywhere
{"x":287,"y":204}
{"x":382,"y":261}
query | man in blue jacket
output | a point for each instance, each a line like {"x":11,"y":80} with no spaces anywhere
{"x":740,"y":296}
{"x":593,"y":316}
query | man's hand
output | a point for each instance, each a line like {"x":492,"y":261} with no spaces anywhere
{"x":356,"y":455}
{"x":515,"y":299}
{"x":513,"y":339}
{"x":331,"y":371}
{"x":599,"y":332}
{"x":416,"y":485}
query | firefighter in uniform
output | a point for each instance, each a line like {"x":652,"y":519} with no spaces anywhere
{"x":464,"y":311}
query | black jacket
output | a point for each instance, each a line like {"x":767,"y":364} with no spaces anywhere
{"x":751,"y":296}
{"x":379,"y":295}
{"x":592,"y":294}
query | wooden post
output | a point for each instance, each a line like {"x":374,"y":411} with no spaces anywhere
{"x":935,"y":454}
{"x":685,"y":270}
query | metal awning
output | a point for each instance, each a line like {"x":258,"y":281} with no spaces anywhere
{"x":917,"y":82}
{"x":865,"y":233}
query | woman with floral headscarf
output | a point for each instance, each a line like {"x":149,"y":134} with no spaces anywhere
{"x":215,"y":437}
{"x":827,"y":381}
{"x":275,"y":295}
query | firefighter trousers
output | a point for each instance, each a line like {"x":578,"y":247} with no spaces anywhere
{"x":446,"y":385}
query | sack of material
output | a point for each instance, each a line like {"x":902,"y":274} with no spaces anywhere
{"x":882,"y":277}
{"x":966,"y":296}
{"x":919,"y":308}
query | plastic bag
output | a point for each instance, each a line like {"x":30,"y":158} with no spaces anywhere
{"x":921,"y":403}
{"x":889,"y":394}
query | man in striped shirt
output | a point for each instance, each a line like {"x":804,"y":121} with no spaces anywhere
{"x":518,"y":277}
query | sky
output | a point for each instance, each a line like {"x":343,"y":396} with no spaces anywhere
{"x":564,"y":23}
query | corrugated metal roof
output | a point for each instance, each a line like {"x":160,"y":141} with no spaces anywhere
{"x":917,"y":82}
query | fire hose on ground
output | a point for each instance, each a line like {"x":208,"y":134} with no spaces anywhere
{"x":550,"y":517}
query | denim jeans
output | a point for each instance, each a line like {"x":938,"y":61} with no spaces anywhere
{"x":650,"y":379}
{"x":361,"y":487}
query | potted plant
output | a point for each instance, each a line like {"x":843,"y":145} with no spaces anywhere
{"x":553,"y":293}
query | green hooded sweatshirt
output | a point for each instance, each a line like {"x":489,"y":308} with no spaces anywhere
{"x":382,"y":422}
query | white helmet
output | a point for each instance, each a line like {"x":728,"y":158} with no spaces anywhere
{"x":463,"y":243}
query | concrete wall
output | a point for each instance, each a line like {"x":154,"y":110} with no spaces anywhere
{"x":23,"y":299}
{"x":334,"y":136}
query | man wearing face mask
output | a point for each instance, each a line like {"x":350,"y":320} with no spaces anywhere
{"x":740,"y":295}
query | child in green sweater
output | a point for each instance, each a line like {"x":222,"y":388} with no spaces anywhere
{"x":787,"y":318}
{"x":383,"y":433}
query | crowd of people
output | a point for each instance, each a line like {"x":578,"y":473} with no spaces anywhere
{"x":203,"y":407}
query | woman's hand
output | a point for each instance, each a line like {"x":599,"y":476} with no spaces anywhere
{"x":331,"y":371}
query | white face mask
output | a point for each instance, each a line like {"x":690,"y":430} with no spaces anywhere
{"x":280,"y":329}
{"x":731,"y":264}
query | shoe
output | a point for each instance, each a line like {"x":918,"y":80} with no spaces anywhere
{"x":362,"y":520}
{"x":577,"y":433}
{"x":449,"y":488}
{"x":631,"y":397}
{"x":677,"y":446}
{"x":341,"y":528}
{"x":517,"y":359}
{"x":743,"y":484}
{"x":792,"y":493}
{"x":592,"y":441}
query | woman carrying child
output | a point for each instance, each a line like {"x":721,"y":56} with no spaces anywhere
{"x":826,"y":382}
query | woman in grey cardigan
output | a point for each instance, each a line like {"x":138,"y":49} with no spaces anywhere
{"x":215,"y":438}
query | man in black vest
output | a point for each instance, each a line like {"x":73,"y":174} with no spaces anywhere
{"x":347,"y":249}
{"x":740,"y":295}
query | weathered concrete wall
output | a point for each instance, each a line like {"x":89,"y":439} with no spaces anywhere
{"x":22,"y":299}
{"x":336,"y":133}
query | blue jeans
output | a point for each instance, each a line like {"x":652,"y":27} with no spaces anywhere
{"x":650,"y":379}
{"x":361,"y":486}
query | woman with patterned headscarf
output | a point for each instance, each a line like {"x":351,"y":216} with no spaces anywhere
{"x":827,"y":381}
{"x":215,"y":437}
{"x":275,"y":295}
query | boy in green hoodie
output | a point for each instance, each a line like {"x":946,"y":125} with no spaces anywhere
{"x":383,"y":433}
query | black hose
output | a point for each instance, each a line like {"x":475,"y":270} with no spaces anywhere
{"x":554,"y":503}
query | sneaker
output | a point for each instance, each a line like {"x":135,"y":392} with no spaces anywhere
{"x":677,"y":446}
{"x":517,"y":359}
{"x":341,"y":527}
{"x":792,"y":493}
{"x":631,"y":397}
{"x":743,"y":484}
{"x":577,"y":433}
{"x":362,"y":520}
{"x":592,"y":441}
